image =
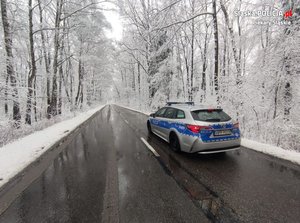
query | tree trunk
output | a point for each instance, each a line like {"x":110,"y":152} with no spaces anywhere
{"x":6,"y":95}
{"x":139,"y":77}
{"x":204,"y":67}
{"x":55,"y":58}
{"x":79,"y":96}
{"x":68,"y":71}
{"x":60,"y":89}
{"x":71,"y":88}
{"x":46,"y":60}
{"x":35,"y":100}
{"x":275,"y":101}
{"x":191,"y":93}
{"x":186,"y":67}
{"x":179,"y":67}
{"x":233,"y":43}
{"x":9,"y":63}
{"x":79,"y":83}
{"x":32,"y":73}
{"x":287,"y":88}
{"x":216,"y":61}
{"x":133,"y":78}
{"x":224,"y":55}
{"x":61,"y":73}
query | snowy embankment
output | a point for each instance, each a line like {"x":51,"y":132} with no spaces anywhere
{"x":16,"y":156}
{"x":135,"y":110}
{"x":278,"y":152}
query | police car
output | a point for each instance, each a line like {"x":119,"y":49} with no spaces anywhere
{"x":194,"y":128}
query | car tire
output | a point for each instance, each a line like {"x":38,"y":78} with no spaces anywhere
{"x":174,"y":143}
{"x":149,"y":127}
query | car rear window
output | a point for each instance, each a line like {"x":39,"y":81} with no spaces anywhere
{"x":180,"y":114}
{"x":215,"y":115}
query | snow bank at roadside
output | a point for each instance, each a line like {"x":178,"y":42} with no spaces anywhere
{"x":16,"y":156}
{"x":135,"y":110}
{"x":278,"y":152}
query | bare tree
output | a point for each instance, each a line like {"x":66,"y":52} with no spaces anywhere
{"x":46,"y":59}
{"x":216,"y":60}
{"x":9,"y":62}
{"x":32,"y":73}
{"x":54,"y":96}
{"x":236,"y":53}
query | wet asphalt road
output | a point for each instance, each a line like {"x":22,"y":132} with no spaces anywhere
{"x":106,"y":174}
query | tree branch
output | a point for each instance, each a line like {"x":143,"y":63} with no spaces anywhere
{"x":185,"y":21}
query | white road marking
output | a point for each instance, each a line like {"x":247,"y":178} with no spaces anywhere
{"x":149,"y":147}
{"x":126,"y":121}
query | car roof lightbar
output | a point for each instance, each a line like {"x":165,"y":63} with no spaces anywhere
{"x":178,"y":103}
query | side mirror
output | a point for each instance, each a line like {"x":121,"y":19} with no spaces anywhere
{"x":152,"y":115}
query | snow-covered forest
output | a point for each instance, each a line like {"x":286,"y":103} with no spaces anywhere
{"x":56,"y":59}
{"x":212,"y":52}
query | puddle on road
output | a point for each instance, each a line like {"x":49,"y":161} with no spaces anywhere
{"x":209,"y":202}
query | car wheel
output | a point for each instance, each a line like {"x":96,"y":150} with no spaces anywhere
{"x":174,"y":143}
{"x":149,"y":127}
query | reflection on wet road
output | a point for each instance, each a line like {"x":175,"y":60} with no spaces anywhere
{"x":242,"y":186}
{"x":106,"y":174}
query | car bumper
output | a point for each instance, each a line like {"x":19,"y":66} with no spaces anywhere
{"x":215,"y":147}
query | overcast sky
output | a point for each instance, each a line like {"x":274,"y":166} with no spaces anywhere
{"x":114,"y":18}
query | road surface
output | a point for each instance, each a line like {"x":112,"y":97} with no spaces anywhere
{"x":108,"y":174}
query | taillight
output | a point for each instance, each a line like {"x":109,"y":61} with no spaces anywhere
{"x":196,"y":128}
{"x":236,"y":125}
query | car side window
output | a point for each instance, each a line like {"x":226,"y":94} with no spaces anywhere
{"x":160,"y":112}
{"x":170,"y":113}
{"x":180,"y":114}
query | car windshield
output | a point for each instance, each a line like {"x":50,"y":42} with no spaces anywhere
{"x":216,"y":115}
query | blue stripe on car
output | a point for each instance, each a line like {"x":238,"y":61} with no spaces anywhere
{"x":205,"y":135}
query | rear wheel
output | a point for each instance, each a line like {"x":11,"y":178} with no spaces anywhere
{"x":149,"y":127}
{"x":174,"y":142}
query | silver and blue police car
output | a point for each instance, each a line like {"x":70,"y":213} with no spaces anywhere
{"x":194,"y":128}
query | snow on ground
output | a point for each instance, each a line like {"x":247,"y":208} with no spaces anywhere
{"x":16,"y":156}
{"x":135,"y":110}
{"x":290,"y":155}
{"x":278,"y":152}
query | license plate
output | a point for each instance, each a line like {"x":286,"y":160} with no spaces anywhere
{"x":222,"y":132}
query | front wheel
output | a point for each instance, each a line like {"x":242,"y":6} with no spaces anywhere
{"x":174,"y":143}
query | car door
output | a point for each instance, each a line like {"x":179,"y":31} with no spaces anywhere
{"x":166,"y":122}
{"x":157,"y":121}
